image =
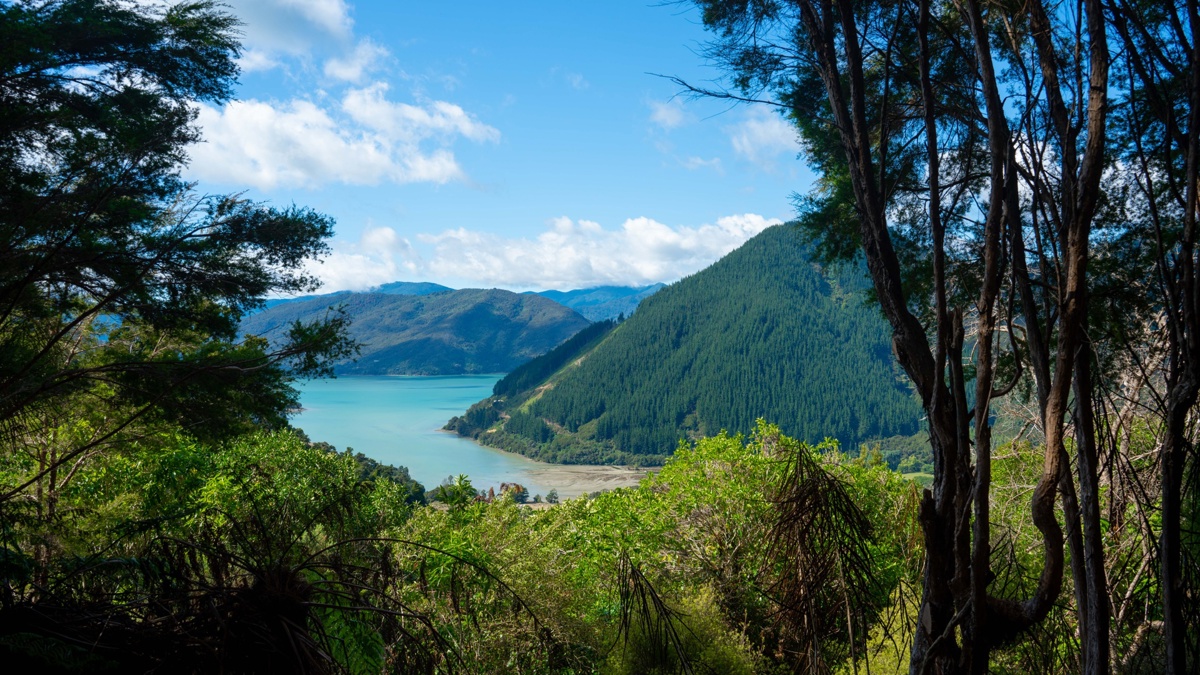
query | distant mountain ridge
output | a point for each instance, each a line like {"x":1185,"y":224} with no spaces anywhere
{"x":603,"y":302}
{"x":763,"y":332}
{"x":594,"y":304}
{"x":394,"y":288}
{"x":444,"y":332}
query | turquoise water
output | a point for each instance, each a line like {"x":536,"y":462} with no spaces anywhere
{"x":397,"y":420}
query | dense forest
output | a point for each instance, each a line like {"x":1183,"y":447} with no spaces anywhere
{"x":400,"y":332}
{"x":762,"y":333}
{"x":1021,"y":183}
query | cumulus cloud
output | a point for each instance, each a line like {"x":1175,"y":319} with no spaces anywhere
{"x":667,"y":115}
{"x":762,"y":137}
{"x":380,"y":256}
{"x":568,"y":254}
{"x":578,"y":254}
{"x":409,"y":123}
{"x":367,"y":141}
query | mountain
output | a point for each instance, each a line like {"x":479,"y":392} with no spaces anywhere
{"x":394,"y":288}
{"x":763,"y":332}
{"x":442,"y":333}
{"x":603,"y":302}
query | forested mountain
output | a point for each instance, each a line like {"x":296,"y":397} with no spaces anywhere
{"x":443,"y":333}
{"x":603,"y":302}
{"x":761,"y":333}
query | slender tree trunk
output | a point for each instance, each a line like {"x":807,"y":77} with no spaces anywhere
{"x":1095,"y":613}
{"x":1174,"y":456}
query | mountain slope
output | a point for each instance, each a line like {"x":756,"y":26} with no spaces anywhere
{"x":761,"y":333}
{"x":603,"y":302}
{"x":443,"y":333}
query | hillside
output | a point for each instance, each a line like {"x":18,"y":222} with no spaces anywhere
{"x":603,"y":302}
{"x":443,"y":333}
{"x":761,"y":333}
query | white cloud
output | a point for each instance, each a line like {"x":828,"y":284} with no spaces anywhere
{"x":301,"y":144}
{"x":762,"y":137}
{"x":253,"y":60}
{"x":379,"y":257}
{"x":332,"y":15}
{"x":667,"y":115}
{"x":409,"y":123}
{"x":352,"y":67}
{"x":578,"y":254}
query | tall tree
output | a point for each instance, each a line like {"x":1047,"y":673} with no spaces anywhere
{"x":1160,"y":62}
{"x":961,"y":148}
{"x":120,"y":288}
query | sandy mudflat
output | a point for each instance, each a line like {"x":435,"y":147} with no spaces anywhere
{"x":573,"y":480}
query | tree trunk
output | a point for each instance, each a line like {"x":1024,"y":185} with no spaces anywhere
{"x":1174,"y":456}
{"x":1095,"y":613}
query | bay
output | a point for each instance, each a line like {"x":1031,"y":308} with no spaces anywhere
{"x":398,"y":421}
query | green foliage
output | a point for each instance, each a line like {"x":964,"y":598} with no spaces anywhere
{"x":699,"y":532}
{"x":122,"y":290}
{"x":369,"y":470}
{"x":275,"y":524}
{"x":442,"y":333}
{"x":456,"y":492}
{"x":705,"y":640}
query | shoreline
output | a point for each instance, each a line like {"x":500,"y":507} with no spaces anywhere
{"x":571,"y":480}
{"x":395,"y":419}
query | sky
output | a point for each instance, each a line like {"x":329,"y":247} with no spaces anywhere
{"x":524,"y":145}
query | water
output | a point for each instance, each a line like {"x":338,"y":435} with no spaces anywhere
{"x":398,"y":420}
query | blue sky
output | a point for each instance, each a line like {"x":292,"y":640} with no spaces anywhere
{"x":520,"y":145}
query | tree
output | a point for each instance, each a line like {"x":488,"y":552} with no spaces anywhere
{"x":961,"y":148}
{"x":121,"y":289}
{"x":1160,"y":142}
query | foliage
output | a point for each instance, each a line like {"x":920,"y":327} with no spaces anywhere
{"x":697,"y":535}
{"x":120,"y":289}
{"x":264,"y":541}
{"x":1020,"y":180}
